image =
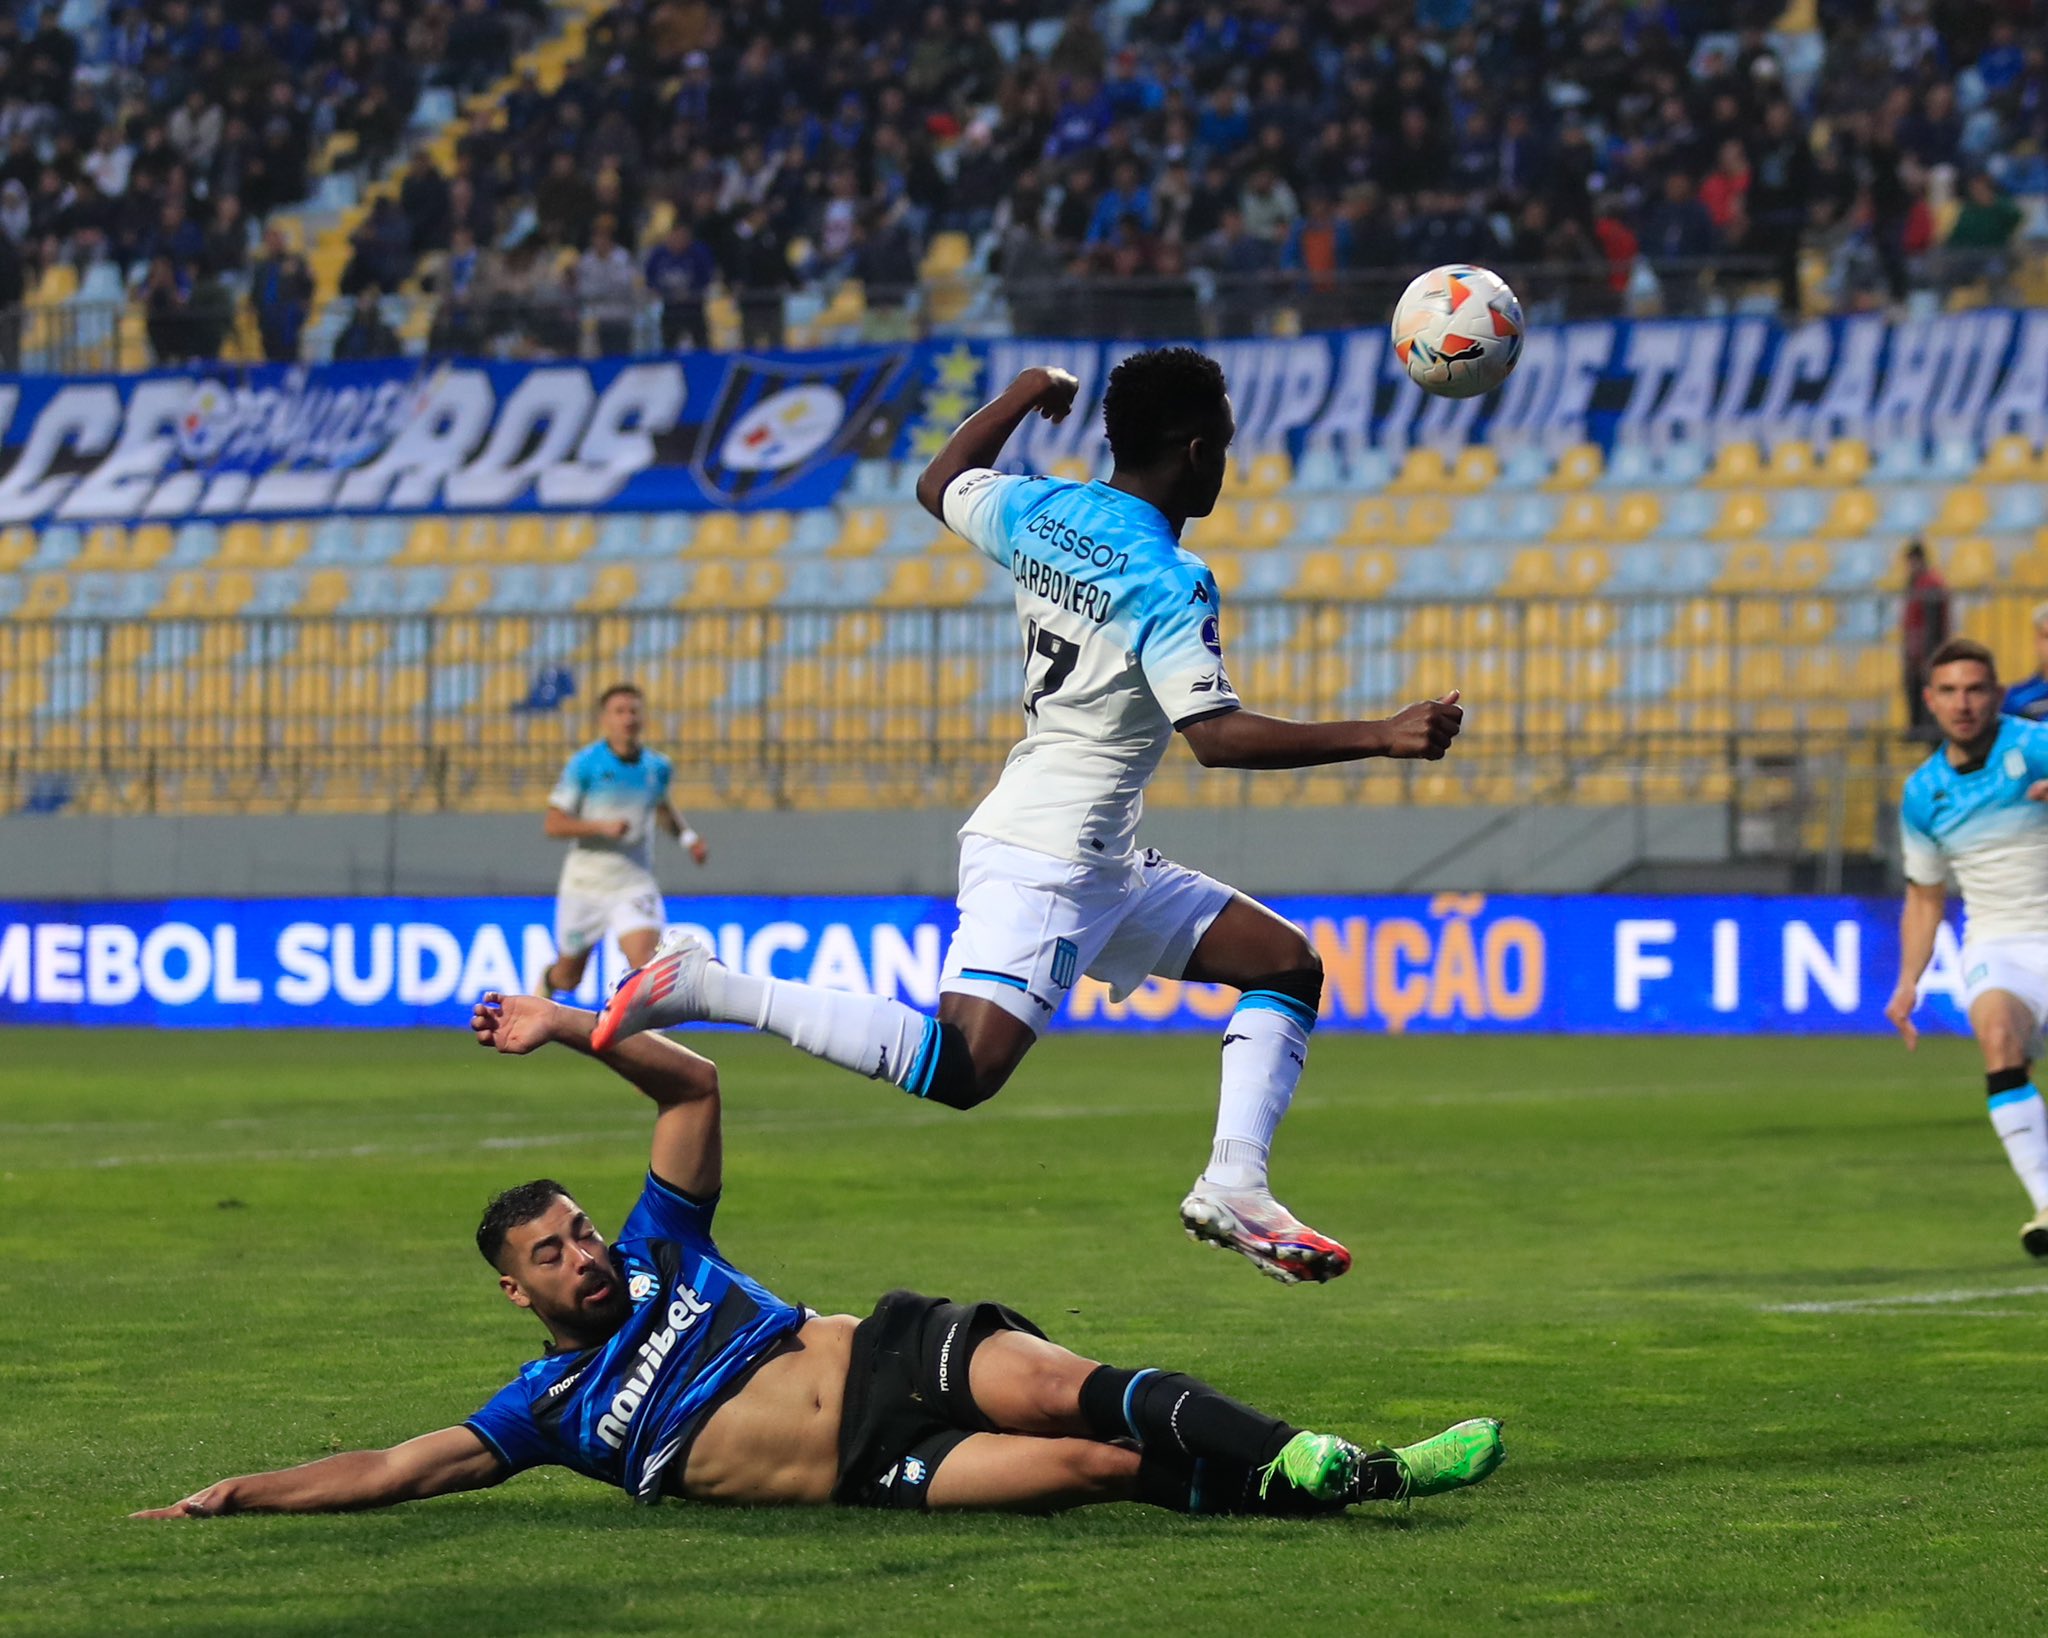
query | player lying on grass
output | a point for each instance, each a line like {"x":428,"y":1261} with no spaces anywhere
{"x":669,"y":1372}
{"x":1122,"y":649}
{"x":1974,"y":809}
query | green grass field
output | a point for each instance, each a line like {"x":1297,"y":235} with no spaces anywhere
{"x":220,"y":1253}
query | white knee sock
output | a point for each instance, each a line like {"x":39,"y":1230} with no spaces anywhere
{"x":2021,"y":1122}
{"x":1265,"y":1048}
{"x":869,"y":1034}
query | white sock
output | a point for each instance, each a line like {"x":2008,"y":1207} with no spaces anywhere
{"x":868,"y":1034}
{"x":2021,"y":1121}
{"x":1265,"y":1048}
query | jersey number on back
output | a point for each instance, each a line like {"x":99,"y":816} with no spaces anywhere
{"x":1060,"y":656}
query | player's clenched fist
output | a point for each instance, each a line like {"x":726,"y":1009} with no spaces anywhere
{"x":1426,"y":728}
{"x":512,"y":1024}
{"x":1051,"y":390}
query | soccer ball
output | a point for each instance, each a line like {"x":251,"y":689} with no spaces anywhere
{"x":1458,"y":331}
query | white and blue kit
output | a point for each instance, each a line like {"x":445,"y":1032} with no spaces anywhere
{"x":606,"y":885}
{"x":1977,"y":827}
{"x":625,"y":1412}
{"x":1122,"y":645}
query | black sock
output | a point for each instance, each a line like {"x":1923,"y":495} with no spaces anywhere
{"x":1212,"y":1487}
{"x":1171,"y":1415}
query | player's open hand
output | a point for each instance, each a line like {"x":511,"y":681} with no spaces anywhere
{"x":699,"y":851}
{"x":209,"y":1503}
{"x":2038,"y":791}
{"x":1053,"y":390}
{"x":513,"y":1024}
{"x":1425,"y":729}
{"x":1899,"y":1009}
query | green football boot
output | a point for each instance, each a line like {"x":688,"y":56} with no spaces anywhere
{"x":1450,"y":1460}
{"x":1317,"y":1464}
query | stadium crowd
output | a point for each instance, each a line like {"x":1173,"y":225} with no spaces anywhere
{"x":1271,"y":145}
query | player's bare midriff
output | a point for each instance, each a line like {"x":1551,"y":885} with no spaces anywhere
{"x":776,"y":1441}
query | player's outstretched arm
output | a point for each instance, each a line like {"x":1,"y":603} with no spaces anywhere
{"x":980,"y":438}
{"x":683,"y":1085}
{"x":435,"y":1464}
{"x":1244,"y":739}
{"x":1919,"y":921}
{"x":566,"y":827}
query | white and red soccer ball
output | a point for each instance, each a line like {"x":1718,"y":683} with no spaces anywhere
{"x":1458,"y":331}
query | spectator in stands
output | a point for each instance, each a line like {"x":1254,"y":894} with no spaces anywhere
{"x":1678,"y":237}
{"x":424,"y":200}
{"x":226,"y":248}
{"x":760,"y":269}
{"x":1268,"y":206}
{"x":13,"y":286}
{"x":1983,"y":227}
{"x":366,"y":335}
{"x":608,"y":289}
{"x":281,"y":292}
{"x":457,"y":327}
{"x":1923,"y":628}
{"x":166,"y":298}
{"x":1780,"y":195}
{"x":680,"y":271}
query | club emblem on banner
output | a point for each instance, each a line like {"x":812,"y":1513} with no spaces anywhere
{"x":774,"y":419}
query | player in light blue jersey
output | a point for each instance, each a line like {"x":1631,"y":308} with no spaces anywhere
{"x":1974,"y":812}
{"x":612,"y":797}
{"x":670,"y":1372}
{"x":1123,"y":648}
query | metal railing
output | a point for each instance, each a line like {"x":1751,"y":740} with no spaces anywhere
{"x":1784,"y":711}
{"x":1201,"y":303}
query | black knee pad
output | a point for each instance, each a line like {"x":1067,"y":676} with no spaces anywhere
{"x":956,"y":1082}
{"x":1302,"y":984}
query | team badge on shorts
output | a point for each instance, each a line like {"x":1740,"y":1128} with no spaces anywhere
{"x":914,"y":1470}
{"x":1066,"y":956}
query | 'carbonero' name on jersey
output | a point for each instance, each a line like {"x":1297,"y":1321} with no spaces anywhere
{"x":1061,"y":589}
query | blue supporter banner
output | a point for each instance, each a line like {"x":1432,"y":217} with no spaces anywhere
{"x":707,"y":431}
{"x":1453,"y":962}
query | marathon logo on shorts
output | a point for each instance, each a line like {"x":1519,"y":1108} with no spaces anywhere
{"x":1066,"y":956}
{"x":683,"y":1315}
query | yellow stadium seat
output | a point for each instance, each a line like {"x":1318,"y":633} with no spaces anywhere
{"x":764,"y":533}
{"x":17,"y":546}
{"x":106,"y":547}
{"x":1476,"y":468}
{"x":1268,"y":474}
{"x":1586,"y":569}
{"x":1576,"y":468}
{"x":1532,"y":573}
{"x":1371,"y":523}
{"x":1583,"y":517}
{"x":1964,"y":509}
{"x":326,"y":590}
{"x":523,"y":539}
{"x":241,"y":546}
{"x":1743,"y":514}
{"x":1852,"y":513}
{"x":148,"y":545}
{"x":1265,"y":523}
{"x":477,"y":540}
{"x":1970,"y":564}
{"x":1226,"y":567}
{"x":2011,"y":459}
{"x":1846,"y":461}
{"x":1422,"y":472}
{"x":935,"y":581}
{"x":862,"y":529}
{"x":568,"y":538}
{"x":717,"y":535}
{"x":736,"y":585}
{"x":1801,"y":566}
{"x":1357,"y":572}
{"x":614,"y":587}
{"x":1636,"y":516}
{"x":468,"y":589}
{"x":1735,"y":464}
{"x":1421,"y":521}
{"x":429,"y":540}
{"x":1746,"y":567}
{"x":46,"y":597}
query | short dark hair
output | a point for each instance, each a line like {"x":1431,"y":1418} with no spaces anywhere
{"x":617,"y":689}
{"x":1962,"y":648}
{"x":1157,"y":399}
{"x":521,"y":1204}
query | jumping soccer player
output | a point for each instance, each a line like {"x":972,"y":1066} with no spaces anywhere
{"x":669,"y":1372}
{"x":611,"y":796}
{"x":1974,"y":809}
{"x":1122,"y":647}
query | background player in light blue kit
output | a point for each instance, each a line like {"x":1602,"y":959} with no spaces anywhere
{"x":612,"y":796}
{"x":1974,"y":811}
{"x":1123,"y":647}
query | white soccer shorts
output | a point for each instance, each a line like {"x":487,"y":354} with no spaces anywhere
{"x":2018,"y":966}
{"x":583,"y":918}
{"x":1031,"y":924}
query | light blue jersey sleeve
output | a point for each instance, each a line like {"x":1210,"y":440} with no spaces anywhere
{"x":1925,"y":863}
{"x":574,"y":784}
{"x":2032,"y":739}
{"x":661,"y":775}
{"x":980,"y":505}
{"x":1179,"y":643}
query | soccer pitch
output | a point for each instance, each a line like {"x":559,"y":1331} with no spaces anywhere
{"x":1754,"y":1311}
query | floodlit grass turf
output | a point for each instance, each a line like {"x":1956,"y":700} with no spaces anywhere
{"x":220,"y":1253}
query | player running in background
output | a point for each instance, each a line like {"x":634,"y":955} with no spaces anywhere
{"x":1122,"y":648}
{"x":1974,"y":810}
{"x":2029,"y":699}
{"x":611,"y":796}
{"x":669,"y":1372}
